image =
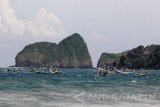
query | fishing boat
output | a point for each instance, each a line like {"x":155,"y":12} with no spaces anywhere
{"x":54,"y":71}
{"x":48,"y":71}
{"x":103,"y":71}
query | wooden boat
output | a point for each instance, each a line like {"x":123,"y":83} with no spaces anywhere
{"x":103,"y":72}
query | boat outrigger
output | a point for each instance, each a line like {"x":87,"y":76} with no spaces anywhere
{"x":124,"y":73}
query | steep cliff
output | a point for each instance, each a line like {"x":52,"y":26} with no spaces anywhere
{"x":108,"y":59}
{"x":72,"y":52}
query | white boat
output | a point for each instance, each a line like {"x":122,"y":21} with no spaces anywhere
{"x":125,"y":73}
{"x":54,"y":71}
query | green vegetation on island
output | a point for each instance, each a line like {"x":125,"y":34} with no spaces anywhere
{"x":72,"y":52}
{"x":109,"y":59}
{"x":137,"y":58}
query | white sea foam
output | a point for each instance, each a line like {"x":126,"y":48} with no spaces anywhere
{"x":133,"y":81}
{"x":79,"y":75}
{"x":64,"y":104}
{"x":53,"y":99}
{"x":90,"y":81}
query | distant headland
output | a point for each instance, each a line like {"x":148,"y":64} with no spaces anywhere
{"x":137,"y":58}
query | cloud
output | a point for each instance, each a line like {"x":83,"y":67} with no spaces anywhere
{"x":98,"y":40}
{"x":17,"y":33}
{"x":43,"y":23}
{"x":8,"y":19}
{"x":97,"y":43}
{"x":98,"y":37}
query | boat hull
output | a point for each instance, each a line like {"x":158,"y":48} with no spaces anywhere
{"x":125,"y":73}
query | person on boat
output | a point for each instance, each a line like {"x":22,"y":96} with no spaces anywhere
{"x":101,"y":71}
{"x":114,"y":68}
{"x":127,"y":70}
{"x":50,"y":69}
{"x":122,"y":69}
{"x":56,"y":70}
{"x":106,"y":69}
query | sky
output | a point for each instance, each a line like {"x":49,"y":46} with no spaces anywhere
{"x":106,"y":25}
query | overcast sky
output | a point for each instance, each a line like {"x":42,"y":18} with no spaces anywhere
{"x":106,"y":25}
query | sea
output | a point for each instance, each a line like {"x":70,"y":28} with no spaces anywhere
{"x":79,"y":88}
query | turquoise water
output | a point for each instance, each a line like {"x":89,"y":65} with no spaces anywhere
{"x":77,"y":88}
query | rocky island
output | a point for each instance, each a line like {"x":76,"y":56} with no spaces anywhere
{"x":138,"y":58}
{"x":71,"y":52}
{"x":111,"y":59}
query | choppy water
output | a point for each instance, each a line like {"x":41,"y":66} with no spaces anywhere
{"x":79,"y":88}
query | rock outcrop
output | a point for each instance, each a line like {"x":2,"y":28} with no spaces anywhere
{"x":110,"y":59}
{"x":142,"y":58}
{"x":72,"y":52}
{"x":138,"y":58}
